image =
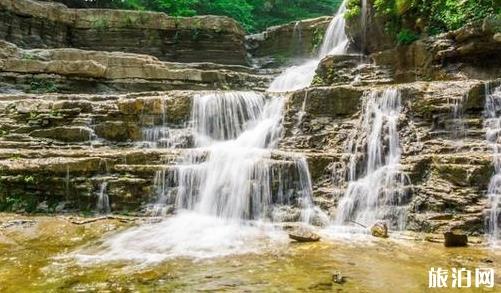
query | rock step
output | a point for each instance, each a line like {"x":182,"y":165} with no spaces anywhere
{"x":73,"y":70}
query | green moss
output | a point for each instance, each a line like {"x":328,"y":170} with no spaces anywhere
{"x":28,"y":56}
{"x":15,"y":203}
{"x":100,"y":23}
{"x":41,"y":86}
{"x":318,"y":36}
{"x":406,"y":19}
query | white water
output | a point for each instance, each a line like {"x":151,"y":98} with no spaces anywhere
{"x":335,"y":42}
{"x":162,"y":136}
{"x":227,"y":191}
{"x":103,"y":201}
{"x":377,"y":191}
{"x":492,"y":126}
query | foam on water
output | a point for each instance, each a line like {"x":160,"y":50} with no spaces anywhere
{"x":188,"y":234}
{"x":224,"y":189}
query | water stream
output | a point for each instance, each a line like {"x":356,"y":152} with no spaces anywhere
{"x":377,"y":190}
{"x":492,"y":127}
{"x":103,"y":201}
{"x":231,"y":187}
{"x":335,"y":42}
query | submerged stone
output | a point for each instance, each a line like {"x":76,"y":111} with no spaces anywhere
{"x":338,"y":278}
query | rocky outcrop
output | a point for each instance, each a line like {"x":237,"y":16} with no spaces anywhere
{"x":75,"y":70}
{"x":351,"y":69}
{"x":469,"y":52}
{"x":444,"y":153}
{"x":279,"y":45}
{"x":367,"y":30}
{"x":34,"y":24}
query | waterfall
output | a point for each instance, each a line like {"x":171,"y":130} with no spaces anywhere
{"x":162,"y":135}
{"x":492,"y":127}
{"x":103,"y":202}
{"x":231,"y":186}
{"x":335,"y":42}
{"x":376,"y":192}
{"x":227,"y":190}
{"x":231,"y":172}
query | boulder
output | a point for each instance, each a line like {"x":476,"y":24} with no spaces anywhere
{"x":338,"y":278}
{"x":455,"y":238}
{"x":380,"y":229}
{"x":303,"y":235}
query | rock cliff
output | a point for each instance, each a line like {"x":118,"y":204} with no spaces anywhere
{"x":34,"y":24}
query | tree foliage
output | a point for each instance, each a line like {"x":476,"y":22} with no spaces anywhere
{"x":407,"y":19}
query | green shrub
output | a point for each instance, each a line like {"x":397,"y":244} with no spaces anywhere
{"x":407,"y":19}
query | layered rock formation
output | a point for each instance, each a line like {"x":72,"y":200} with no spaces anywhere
{"x":75,"y":70}
{"x":282,"y":44}
{"x":34,"y":24}
{"x":469,"y":52}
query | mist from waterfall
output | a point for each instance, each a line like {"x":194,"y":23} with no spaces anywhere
{"x":335,"y":42}
{"x":492,"y":126}
{"x":376,"y":191}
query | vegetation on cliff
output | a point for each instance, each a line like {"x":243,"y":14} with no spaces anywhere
{"x":408,"y":19}
{"x":254,"y":15}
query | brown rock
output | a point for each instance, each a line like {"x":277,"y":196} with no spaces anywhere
{"x":380,"y":229}
{"x":209,"y":38}
{"x":64,"y":133}
{"x":455,"y":239}
{"x":303,"y":235}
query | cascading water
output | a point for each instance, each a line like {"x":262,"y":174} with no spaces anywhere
{"x":335,"y":42}
{"x":492,"y":127}
{"x":162,"y":135}
{"x":229,"y":188}
{"x":377,"y":192}
{"x":103,"y":201}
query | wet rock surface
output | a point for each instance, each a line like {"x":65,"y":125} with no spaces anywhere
{"x":279,"y":45}
{"x":303,"y":235}
{"x":455,"y":239}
